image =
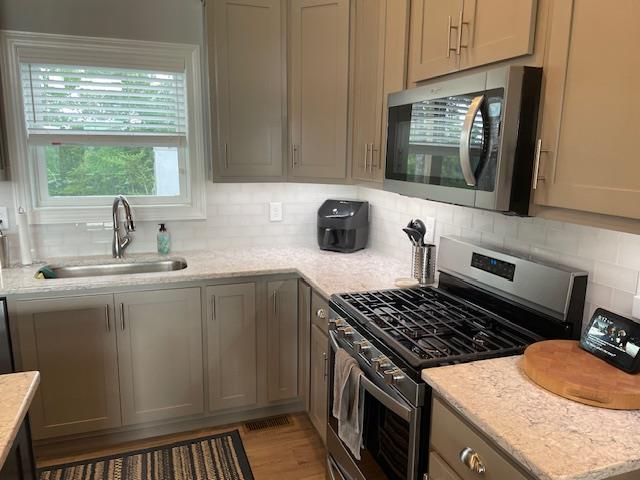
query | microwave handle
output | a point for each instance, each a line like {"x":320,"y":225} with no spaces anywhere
{"x":465,"y":141}
{"x":395,"y":405}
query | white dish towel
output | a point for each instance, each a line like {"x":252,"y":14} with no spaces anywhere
{"x":347,"y":404}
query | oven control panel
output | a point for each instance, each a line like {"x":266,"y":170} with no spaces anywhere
{"x":494,"y":266}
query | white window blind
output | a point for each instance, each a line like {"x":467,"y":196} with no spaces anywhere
{"x":61,"y":99}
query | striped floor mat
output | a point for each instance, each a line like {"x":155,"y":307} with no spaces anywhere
{"x":217,"y":457}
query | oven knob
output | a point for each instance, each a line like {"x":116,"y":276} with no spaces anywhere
{"x":344,"y":332}
{"x":334,"y":323}
{"x":362,"y":346}
{"x":380,"y":364}
{"x":393,"y":376}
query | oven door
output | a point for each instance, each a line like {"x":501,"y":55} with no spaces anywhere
{"x":393,"y":447}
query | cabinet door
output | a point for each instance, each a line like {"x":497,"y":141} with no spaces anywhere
{"x":160,"y":354}
{"x":591,"y":109}
{"x":368,"y":65}
{"x":431,"y":38}
{"x":72,"y":342}
{"x":318,"y":383}
{"x":231,"y":340}
{"x":439,"y":470}
{"x":496,"y":30}
{"x":319,"y":86}
{"x":282,"y":340}
{"x":248,"y":52}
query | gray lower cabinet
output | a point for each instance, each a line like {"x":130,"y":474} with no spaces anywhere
{"x":160,"y":354}
{"x":459,"y":450}
{"x":282,"y":340}
{"x":318,"y":373}
{"x":318,"y":381}
{"x":231,"y":341}
{"x":72,"y":342}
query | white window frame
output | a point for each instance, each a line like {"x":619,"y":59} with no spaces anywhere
{"x":31,"y":189}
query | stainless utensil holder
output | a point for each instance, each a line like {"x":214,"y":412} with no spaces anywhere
{"x":423,"y":264}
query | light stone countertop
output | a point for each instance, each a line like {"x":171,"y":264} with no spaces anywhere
{"x":16,"y":393}
{"x":552,"y":437}
{"x":328,"y":272}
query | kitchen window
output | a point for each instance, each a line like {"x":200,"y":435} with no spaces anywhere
{"x":98,"y":121}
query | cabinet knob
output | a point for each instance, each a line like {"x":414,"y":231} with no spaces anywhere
{"x":472,"y":460}
{"x":321,"y":313}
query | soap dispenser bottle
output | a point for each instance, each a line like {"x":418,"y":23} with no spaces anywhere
{"x":164,"y":240}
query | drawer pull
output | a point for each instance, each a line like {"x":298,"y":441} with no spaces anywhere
{"x":472,"y":460}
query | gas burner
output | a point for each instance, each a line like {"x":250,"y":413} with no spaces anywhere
{"x":433,"y":347}
{"x":481,"y":339}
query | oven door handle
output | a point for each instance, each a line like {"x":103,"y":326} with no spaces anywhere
{"x":465,"y":141}
{"x":394,"y":404}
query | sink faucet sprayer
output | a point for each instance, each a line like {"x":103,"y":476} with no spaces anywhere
{"x":120,"y":242}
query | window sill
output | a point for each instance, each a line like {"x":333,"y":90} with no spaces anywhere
{"x":143,"y":213}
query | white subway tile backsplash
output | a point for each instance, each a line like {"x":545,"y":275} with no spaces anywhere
{"x":620,"y":278}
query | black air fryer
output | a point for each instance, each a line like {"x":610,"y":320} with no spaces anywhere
{"x":343,"y":225}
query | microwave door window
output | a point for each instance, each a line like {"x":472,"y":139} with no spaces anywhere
{"x":426,"y":141}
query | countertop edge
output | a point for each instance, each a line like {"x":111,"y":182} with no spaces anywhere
{"x":525,"y":463}
{"x":21,"y":413}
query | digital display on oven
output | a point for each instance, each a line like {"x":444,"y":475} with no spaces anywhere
{"x":493,"y":265}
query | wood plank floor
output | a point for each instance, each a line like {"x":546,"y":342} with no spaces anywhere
{"x":291,"y":452}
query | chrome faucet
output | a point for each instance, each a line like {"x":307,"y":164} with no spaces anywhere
{"x":120,"y":242}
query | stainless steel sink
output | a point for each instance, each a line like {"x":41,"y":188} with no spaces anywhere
{"x":118,"y":268}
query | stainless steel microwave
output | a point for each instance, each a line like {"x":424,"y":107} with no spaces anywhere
{"x":467,"y":140}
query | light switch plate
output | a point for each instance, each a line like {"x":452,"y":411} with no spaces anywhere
{"x":275,"y":211}
{"x":4,"y":216}
{"x":635,"y":311}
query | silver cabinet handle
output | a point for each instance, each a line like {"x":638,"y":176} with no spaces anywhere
{"x":122,"y":316}
{"x":472,"y":460}
{"x":294,"y":155}
{"x":213,"y":308}
{"x":275,"y":304}
{"x":536,"y":165}
{"x":460,"y":24}
{"x":465,"y":141}
{"x":449,"y":49}
{"x":370,"y":157}
{"x":374,"y":148}
{"x":366,"y":155}
{"x":106,"y":317}
{"x":326,"y":364}
{"x":226,"y":156}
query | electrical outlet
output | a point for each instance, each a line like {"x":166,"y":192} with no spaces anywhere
{"x":430,"y":223}
{"x":275,"y":211}
{"x":4,"y":218}
{"x":635,"y":311}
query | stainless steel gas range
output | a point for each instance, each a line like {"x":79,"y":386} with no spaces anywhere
{"x":488,"y":304}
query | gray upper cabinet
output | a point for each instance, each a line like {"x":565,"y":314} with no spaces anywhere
{"x":451,"y":35}
{"x":231,"y":340}
{"x":72,"y":342}
{"x":246,"y":49}
{"x":282,"y":340}
{"x":318,"y":88}
{"x":160,"y":354}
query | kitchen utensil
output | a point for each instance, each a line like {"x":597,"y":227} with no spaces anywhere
{"x":563,"y":368}
{"x":415,"y":235}
{"x":420,"y":227}
{"x":423,"y":262}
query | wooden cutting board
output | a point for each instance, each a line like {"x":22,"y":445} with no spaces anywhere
{"x":563,"y":368}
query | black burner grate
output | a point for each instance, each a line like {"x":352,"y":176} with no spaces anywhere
{"x":428,"y":327}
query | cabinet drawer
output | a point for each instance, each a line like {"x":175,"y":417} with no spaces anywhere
{"x":450,"y":436}
{"x":320,"y":312}
{"x":439,"y":470}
